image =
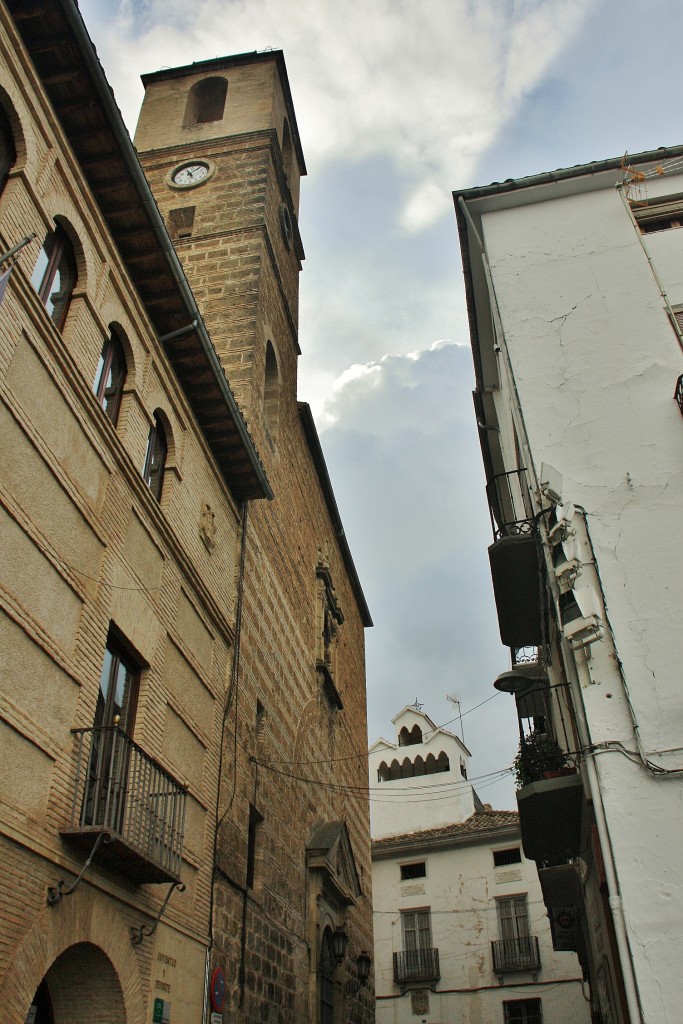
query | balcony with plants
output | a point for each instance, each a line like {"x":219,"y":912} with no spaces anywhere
{"x":549,"y":798}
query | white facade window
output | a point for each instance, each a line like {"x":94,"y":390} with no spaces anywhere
{"x":503,"y":857}
{"x":417,"y":929}
{"x":418,"y":870}
{"x":513,"y":919}
{"x":523,"y":1011}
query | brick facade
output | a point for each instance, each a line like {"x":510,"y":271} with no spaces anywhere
{"x":215,"y":598}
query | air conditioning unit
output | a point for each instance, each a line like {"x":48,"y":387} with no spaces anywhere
{"x":562,"y":527}
{"x":567,"y":560}
{"x":551,"y":482}
{"x":581,"y":618}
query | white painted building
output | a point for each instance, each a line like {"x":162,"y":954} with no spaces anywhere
{"x":461,"y":931}
{"x":574,"y":283}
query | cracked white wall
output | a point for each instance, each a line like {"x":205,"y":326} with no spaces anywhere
{"x":595,"y":362}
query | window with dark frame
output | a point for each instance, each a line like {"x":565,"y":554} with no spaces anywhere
{"x":523,"y":1011}
{"x":111,"y":376}
{"x":418,"y":870}
{"x":155,"y":460}
{"x":116,"y":706}
{"x":55,"y":275}
{"x":510,"y":856}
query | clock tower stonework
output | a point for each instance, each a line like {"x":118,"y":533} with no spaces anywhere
{"x":219,"y":144}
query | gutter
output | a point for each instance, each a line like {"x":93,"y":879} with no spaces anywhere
{"x":565,"y":173}
{"x":130,"y":159}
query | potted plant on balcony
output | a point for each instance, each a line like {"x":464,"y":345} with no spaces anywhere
{"x":539,"y":757}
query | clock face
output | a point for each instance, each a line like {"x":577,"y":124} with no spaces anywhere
{"x":190,"y":174}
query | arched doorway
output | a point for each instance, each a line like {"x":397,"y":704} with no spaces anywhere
{"x":80,"y":986}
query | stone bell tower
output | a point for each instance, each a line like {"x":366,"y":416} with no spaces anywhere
{"x":219,"y":143}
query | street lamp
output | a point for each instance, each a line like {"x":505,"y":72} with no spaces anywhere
{"x":363,"y":965}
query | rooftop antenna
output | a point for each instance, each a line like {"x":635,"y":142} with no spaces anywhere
{"x":452,"y":699}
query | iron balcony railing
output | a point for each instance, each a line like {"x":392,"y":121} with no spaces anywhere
{"x":123,"y":792}
{"x":510,"y":504}
{"x":416,"y":965}
{"x":519,"y":954}
{"x":678,"y":394}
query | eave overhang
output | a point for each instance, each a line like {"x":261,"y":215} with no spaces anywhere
{"x":65,"y":59}
{"x":446,"y":838}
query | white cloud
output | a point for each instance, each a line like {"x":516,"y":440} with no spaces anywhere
{"x":430,"y":84}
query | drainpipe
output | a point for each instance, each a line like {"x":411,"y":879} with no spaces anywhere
{"x":615,"y":900}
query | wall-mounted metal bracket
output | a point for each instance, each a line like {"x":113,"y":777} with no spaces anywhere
{"x":143,"y":932}
{"x":55,"y":892}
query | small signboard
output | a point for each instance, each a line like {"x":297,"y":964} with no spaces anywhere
{"x":216,"y":1018}
{"x":162,"y":1012}
{"x":565,"y":928}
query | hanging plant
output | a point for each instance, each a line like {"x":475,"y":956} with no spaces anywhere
{"x":538,"y":754}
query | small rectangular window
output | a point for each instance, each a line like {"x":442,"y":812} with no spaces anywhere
{"x":511,"y":856}
{"x":181,"y":221}
{"x":523,"y":1011}
{"x":413,"y":871}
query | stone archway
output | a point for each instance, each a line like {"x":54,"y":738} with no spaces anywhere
{"x":82,"y":950}
{"x":84,"y":988}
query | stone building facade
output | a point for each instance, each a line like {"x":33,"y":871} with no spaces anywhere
{"x":220,"y":147}
{"x":183,"y":689}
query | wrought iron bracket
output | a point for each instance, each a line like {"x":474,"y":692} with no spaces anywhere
{"x":56,"y":892}
{"x":137,"y":934}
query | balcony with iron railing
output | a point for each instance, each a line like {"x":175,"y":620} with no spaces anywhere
{"x":127,"y":798}
{"x":416,"y":965}
{"x":516,"y":564}
{"x":509,"y":504}
{"x":520,"y":954}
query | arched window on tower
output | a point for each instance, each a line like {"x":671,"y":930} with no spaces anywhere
{"x":443,"y":762}
{"x":206,"y":101}
{"x":111,"y":376}
{"x":271,"y":394}
{"x":287,"y":148}
{"x":407,"y":738}
{"x":55,"y":274}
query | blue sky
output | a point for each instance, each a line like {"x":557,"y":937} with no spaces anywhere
{"x":399,"y":103}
